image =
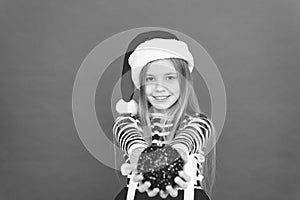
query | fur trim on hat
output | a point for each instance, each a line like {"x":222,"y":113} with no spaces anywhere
{"x":126,"y":107}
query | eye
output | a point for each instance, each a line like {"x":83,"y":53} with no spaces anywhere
{"x":171,"y":77}
{"x":149,"y":79}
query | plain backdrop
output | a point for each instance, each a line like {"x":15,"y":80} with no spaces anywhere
{"x":255,"y":44}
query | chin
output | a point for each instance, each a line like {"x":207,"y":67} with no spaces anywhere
{"x":164,"y":107}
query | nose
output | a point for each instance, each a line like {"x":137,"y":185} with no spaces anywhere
{"x":159,"y":87}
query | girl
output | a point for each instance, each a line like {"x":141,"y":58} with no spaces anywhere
{"x":167,"y":113}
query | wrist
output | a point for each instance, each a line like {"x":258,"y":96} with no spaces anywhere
{"x":135,"y":146}
{"x":135,"y":154}
{"x":138,"y":150}
{"x":182,"y":147}
{"x":182,"y":150}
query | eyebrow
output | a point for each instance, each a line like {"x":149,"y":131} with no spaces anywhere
{"x":171,"y":73}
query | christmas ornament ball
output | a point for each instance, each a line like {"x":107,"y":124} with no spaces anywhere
{"x":160,"y":165}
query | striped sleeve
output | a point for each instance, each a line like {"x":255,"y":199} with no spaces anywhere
{"x":128,"y":133}
{"x":195,"y":133}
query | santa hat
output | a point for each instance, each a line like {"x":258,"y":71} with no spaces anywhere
{"x":156,"y":49}
{"x":163,"y":45}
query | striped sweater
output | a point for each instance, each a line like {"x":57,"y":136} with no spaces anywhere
{"x":193,"y":132}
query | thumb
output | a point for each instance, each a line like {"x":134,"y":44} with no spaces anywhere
{"x":125,"y":169}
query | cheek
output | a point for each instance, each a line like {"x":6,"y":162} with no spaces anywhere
{"x":148,"y":89}
{"x":175,"y":88}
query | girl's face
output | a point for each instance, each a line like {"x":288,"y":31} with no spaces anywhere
{"x":162,"y":84}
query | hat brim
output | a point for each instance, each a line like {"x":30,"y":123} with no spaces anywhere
{"x":142,"y":57}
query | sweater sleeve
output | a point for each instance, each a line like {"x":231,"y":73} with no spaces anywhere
{"x":128,"y":133}
{"x":194,"y":133}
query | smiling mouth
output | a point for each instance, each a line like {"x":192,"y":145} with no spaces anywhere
{"x":160,"y":98}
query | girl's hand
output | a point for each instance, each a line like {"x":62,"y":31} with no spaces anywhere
{"x":181,"y":181}
{"x":127,"y":168}
{"x":144,"y":187}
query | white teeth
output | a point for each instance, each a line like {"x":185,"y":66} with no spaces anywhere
{"x":161,"y":98}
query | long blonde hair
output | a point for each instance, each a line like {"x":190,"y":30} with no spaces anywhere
{"x":186,"y":104}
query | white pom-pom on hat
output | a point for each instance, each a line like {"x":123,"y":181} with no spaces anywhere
{"x":126,"y":107}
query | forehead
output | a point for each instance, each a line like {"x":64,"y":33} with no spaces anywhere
{"x":161,"y":66}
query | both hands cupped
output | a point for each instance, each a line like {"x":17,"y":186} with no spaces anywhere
{"x":180,"y":180}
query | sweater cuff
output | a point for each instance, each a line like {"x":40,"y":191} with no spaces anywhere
{"x":181,"y":146}
{"x":134,"y":146}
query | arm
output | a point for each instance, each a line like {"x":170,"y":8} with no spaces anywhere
{"x":128,"y":133}
{"x":194,"y":134}
{"x":191,"y":138}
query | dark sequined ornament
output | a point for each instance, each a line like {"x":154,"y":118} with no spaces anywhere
{"x":160,"y":165}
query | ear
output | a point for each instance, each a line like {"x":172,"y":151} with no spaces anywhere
{"x":126,"y":107}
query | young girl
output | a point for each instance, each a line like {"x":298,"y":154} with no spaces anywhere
{"x":167,"y":113}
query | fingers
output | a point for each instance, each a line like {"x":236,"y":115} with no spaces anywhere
{"x":163,"y":194}
{"x":152,"y":193}
{"x":185,"y":176}
{"x":182,"y":179}
{"x":172,"y":191}
{"x":125,"y":169}
{"x":180,"y":182}
{"x":138,"y":178}
{"x":144,"y":186}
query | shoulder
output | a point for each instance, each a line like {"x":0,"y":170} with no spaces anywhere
{"x":196,"y":117}
{"x":127,"y":118}
{"x":127,"y":115}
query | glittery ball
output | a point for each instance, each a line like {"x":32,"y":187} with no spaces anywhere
{"x":160,"y":165}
